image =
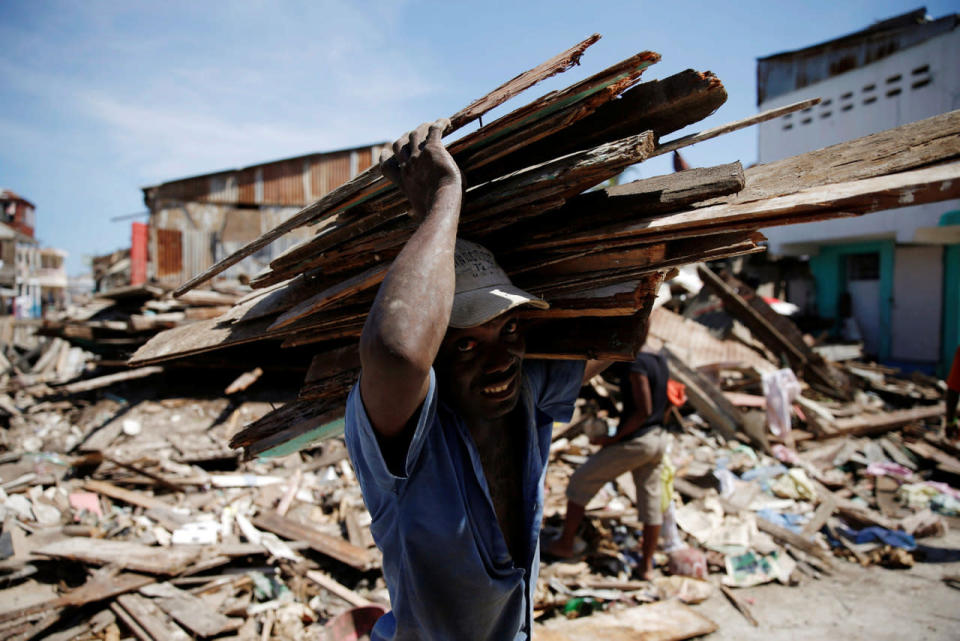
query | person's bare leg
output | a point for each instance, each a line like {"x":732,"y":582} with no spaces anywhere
{"x":651,"y":535}
{"x":563,"y":547}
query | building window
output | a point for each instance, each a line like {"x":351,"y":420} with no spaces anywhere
{"x":863,"y":266}
{"x":893,"y":92}
{"x":870,"y":100}
{"x":920,"y":83}
{"x":893,"y":79}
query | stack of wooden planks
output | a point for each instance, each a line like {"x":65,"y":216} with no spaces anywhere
{"x":597,"y":256}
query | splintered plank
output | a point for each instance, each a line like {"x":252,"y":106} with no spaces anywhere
{"x":661,"y":106}
{"x":190,"y":611}
{"x":123,"y":554}
{"x":778,"y":334}
{"x":911,"y":146}
{"x":545,"y":116}
{"x":294,"y":416}
{"x":331,"y":546}
{"x":708,"y":134}
{"x":616,"y":338}
{"x":98,"y":588}
{"x":139,"y":499}
{"x":152,"y":623}
{"x":370,"y":182}
{"x":558,"y":64}
{"x":856,"y":197}
{"x":876,"y":424}
{"x":109,"y":379}
{"x":344,"y":289}
{"x":199,"y":337}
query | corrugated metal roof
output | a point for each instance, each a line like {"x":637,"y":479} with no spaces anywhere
{"x":296,"y":181}
{"x":791,"y":70}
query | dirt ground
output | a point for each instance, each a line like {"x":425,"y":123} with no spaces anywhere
{"x":856,"y":603}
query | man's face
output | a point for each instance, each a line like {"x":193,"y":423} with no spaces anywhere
{"x":478,"y":369}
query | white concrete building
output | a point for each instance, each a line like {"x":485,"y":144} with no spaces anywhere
{"x":897,"y":272}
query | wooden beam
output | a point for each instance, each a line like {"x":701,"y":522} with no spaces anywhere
{"x":707,"y":134}
{"x":104,"y":381}
{"x":331,"y":546}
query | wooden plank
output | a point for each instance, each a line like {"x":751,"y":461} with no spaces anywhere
{"x":244,"y":381}
{"x":828,"y":505}
{"x":151,"y":619}
{"x":777,"y":334}
{"x":749,"y":121}
{"x":127,"y":496}
{"x":558,"y":64}
{"x":876,"y":424}
{"x":345,"y":593}
{"x":706,"y":398}
{"x":296,"y":417}
{"x":123,"y":554}
{"x":99,"y":587}
{"x":661,"y":106}
{"x":739,"y":604}
{"x":545,"y":116}
{"x":911,"y":146}
{"x":370,"y":182}
{"x":365,"y":280}
{"x":104,"y":381}
{"x":943,"y":460}
{"x":190,"y":611}
{"x":331,"y":546}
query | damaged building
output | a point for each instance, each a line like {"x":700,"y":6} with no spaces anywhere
{"x":896,"y":273}
{"x":196,"y":221}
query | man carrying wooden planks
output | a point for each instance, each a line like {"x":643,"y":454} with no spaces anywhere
{"x":448,"y":428}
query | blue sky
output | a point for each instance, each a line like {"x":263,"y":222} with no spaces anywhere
{"x":102,"y":98}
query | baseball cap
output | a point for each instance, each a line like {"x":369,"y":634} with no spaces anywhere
{"x":483,"y":290}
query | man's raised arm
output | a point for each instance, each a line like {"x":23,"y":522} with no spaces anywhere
{"x":409,"y":316}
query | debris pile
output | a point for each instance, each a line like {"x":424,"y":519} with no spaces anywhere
{"x":862,"y":474}
{"x":117,"y":321}
{"x":153,"y":526}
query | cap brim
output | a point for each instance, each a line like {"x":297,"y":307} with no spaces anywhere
{"x":478,"y":306}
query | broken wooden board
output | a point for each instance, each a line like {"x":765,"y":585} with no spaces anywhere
{"x":668,"y":620}
{"x":190,"y":611}
{"x":124,"y":554}
{"x":104,"y":381}
{"x":331,"y":546}
{"x":127,"y":496}
{"x":152,"y":623}
{"x":331,"y":585}
{"x":876,"y":424}
{"x":778,"y":334}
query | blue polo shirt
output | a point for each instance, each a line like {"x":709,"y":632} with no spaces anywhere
{"x":445,"y":561}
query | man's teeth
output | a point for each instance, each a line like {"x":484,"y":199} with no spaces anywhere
{"x":496,"y":389}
